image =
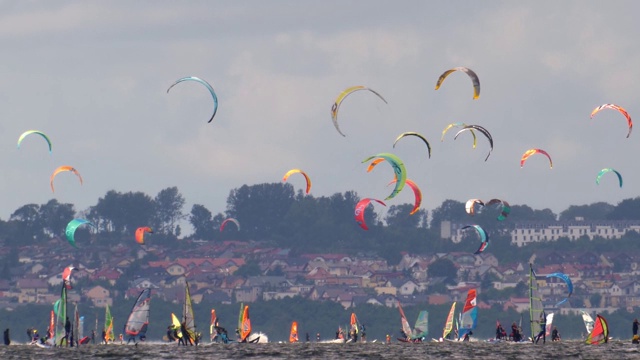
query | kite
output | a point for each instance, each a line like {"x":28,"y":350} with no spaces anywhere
{"x":413,"y":134}
{"x":615,"y":107}
{"x":140,"y":234}
{"x":61,"y":169}
{"x":398,"y":168}
{"x":606,"y":170}
{"x":504,"y":212}
{"x":361,"y":207}
{"x":567,"y":280}
{"x":531,"y":152}
{"x":417,"y":193}
{"x":229,"y":220}
{"x":71,"y":229}
{"x":470,"y":206}
{"x":483,"y":236}
{"x":29,"y":132}
{"x":472,"y":75}
{"x":207,"y":85}
{"x":459,"y":124}
{"x":484,"y":131}
{"x":293,"y":171}
{"x":341,"y":97}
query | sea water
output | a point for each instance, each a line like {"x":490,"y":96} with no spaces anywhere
{"x":393,"y":351}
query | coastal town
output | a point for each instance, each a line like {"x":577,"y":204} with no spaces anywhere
{"x":247,"y":271}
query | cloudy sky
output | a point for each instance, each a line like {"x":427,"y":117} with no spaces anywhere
{"x":93,"y":76}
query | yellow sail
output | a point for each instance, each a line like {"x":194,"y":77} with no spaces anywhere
{"x":176,"y":324}
{"x":187,"y":313}
{"x":448,"y":326}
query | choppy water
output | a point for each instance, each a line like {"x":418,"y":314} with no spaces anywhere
{"x":395,"y":351}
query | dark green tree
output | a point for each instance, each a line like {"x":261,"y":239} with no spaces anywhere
{"x":168,"y":211}
{"x":450,"y":210}
{"x":26,"y":225}
{"x":595,"y":211}
{"x":260,"y":208}
{"x":201,"y":220}
{"x":444,"y":268}
{"x":55,"y":217}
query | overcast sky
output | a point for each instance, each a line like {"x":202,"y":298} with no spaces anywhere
{"x":93,"y":75}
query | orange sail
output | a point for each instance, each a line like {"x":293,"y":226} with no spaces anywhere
{"x":293,"y":335}
{"x":212,"y":325}
{"x":405,"y":324}
{"x":245,"y":330}
{"x":354,"y":322}
{"x":600,"y":332}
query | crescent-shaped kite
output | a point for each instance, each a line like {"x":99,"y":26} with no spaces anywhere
{"x":606,"y":170}
{"x":505,"y":210}
{"x":61,"y":169}
{"x":567,"y":280}
{"x":207,"y":85}
{"x":484,"y":131}
{"x":398,"y":169}
{"x":140,"y":234}
{"x":483,"y":236}
{"x":459,"y":124}
{"x":341,"y":97}
{"x":531,"y":152}
{"x":71,"y":230}
{"x":293,"y":171}
{"x":470,"y":206}
{"x":416,"y":192}
{"x":408,"y":133}
{"x":474,"y":79}
{"x":29,"y":132}
{"x":619,"y":109}
{"x":361,"y":207}
{"x":229,"y":220}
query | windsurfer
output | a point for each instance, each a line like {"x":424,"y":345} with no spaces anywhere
{"x":104,"y":337}
{"x":7,"y":339}
{"x":363,"y":332}
{"x":170,"y":332}
{"x":67,"y":331}
{"x":467,"y":336}
{"x":543,"y":328}
{"x":635,"y":327}
{"x":515,"y":332}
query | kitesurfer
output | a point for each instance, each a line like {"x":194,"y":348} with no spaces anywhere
{"x":499,"y":331}
{"x":93,"y":336}
{"x":388,"y":339}
{"x":635,"y":327}
{"x":555,"y":335}
{"x":307,"y":337}
{"x":7,"y":339}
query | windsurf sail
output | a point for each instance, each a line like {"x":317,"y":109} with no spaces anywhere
{"x":139,"y":317}
{"x":354,"y":323}
{"x":549,"y":325}
{"x":535,"y":303}
{"x":448,"y":325}
{"x":469,"y":318}
{"x":240,"y":320}
{"x":293,"y":334}
{"x":175,"y":322}
{"x":600,"y":332}
{"x":422,"y":325}
{"x":187,"y":313}
{"x":245,"y":329}
{"x":588,"y":321}
{"x":60,"y":309}
{"x":51,"y":331}
{"x":212,"y":325}
{"x":405,"y":324}
{"x":108,"y":324}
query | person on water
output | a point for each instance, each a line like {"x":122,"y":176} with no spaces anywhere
{"x":318,"y":337}
{"x":635,"y":327}
{"x":388,"y":339}
{"x":67,"y":331}
{"x":7,"y":339}
{"x":170,"y":334}
{"x":30,"y":334}
{"x":404,"y":335}
{"x":307,"y":337}
{"x":499,"y":331}
{"x":543,"y":328}
{"x":363,"y":331}
{"x":515,"y":332}
{"x":467,"y":336}
{"x":93,"y":336}
{"x":555,"y":335}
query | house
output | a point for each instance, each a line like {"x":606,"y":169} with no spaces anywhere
{"x":31,"y":290}
{"x":99,"y":296}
